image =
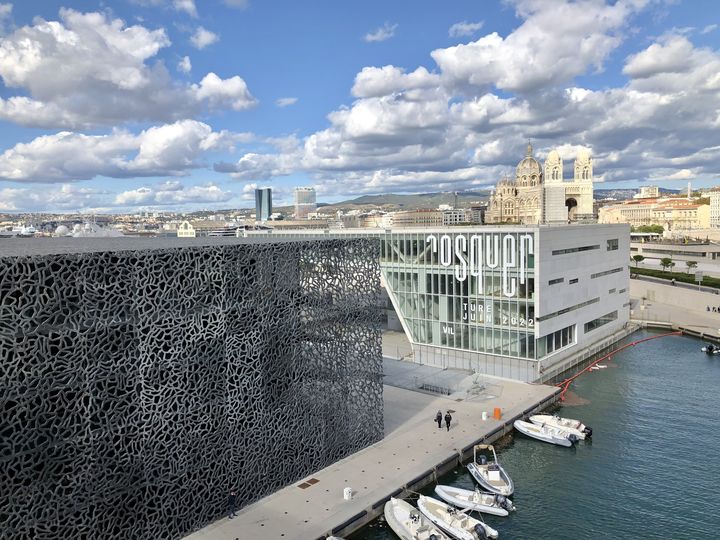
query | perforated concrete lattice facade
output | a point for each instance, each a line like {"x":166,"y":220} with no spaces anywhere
{"x":138,"y":385}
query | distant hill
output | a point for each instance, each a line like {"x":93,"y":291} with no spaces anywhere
{"x":415,"y":201}
{"x":627,"y":193}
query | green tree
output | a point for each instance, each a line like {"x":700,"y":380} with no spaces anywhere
{"x":690,"y":265}
{"x":658,"y":229}
{"x":638,"y":259}
{"x":666,"y":263}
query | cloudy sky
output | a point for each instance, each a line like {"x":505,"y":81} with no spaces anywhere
{"x":189,"y":104}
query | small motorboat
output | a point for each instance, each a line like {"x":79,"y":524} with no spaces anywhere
{"x":489,"y":473}
{"x":568,"y":424}
{"x":549,"y":434}
{"x":456,"y":523}
{"x":479,"y":501}
{"x":409,"y":524}
{"x":711,"y":349}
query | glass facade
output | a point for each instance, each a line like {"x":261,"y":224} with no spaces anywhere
{"x":465,"y":290}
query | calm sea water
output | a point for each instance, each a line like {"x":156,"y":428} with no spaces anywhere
{"x":651,"y":470}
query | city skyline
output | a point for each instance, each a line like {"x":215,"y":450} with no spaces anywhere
{"x":182,"y":105}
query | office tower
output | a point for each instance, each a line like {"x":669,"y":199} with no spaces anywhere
{"x":304,"y":202}
{"x":263,"y":204}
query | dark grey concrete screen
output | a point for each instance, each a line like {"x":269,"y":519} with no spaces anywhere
{"x":138,"y":386}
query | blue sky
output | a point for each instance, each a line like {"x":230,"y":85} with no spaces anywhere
{"x":189,"y":104}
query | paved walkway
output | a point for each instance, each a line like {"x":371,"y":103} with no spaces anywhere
{"x":412,"y":445}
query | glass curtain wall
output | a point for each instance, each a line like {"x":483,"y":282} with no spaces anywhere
{"x":445,"y":304}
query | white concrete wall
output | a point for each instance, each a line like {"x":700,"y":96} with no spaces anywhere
{"x":681,"y":297}
{"x":581,"y":265}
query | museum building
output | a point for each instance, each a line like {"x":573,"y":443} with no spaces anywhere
{"x":509,"y":301}
{"x":141,"y":381}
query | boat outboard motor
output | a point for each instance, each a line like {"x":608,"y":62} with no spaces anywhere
{"x":480,"y":532}
{"x":587,"y":431}
{"x":572,"y":438}
{"x":483,"y":460}
{"x":433,"y":537}
{"x":503,"y":502}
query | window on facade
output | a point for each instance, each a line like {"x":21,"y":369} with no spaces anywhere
{"x":574,"y":280}
{"x":567,"y":309}
{"x":622,"y":291}
{"x":607,"y":272}
{"x":556,"y":341}
{"x":611,"y":291}
{"x":612,"y":244}
{"x":600,"y":321}
{"x":556,"y":281}
{"x":575,"y":250}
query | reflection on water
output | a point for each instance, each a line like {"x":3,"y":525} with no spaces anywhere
{"x":651,"y":469}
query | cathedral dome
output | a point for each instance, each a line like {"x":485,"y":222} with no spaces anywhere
{"x":529,"y":166}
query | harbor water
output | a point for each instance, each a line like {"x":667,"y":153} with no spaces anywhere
{"x":651,"y":469}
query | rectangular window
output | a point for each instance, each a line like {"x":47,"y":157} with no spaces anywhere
{"x":611,"y":291}
{"x":574,"y":280}
{"x":622,"y":291}
{"x":612,"y":244}
{"x":555,"y":341}
{"x":575,"y":250}
{"x":607,"y":272}
{"x":600,"y":321}
{"x":556,"y":281}
{"x":567,"y":309}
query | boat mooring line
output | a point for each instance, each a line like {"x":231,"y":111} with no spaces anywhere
{"x":564,"y":385}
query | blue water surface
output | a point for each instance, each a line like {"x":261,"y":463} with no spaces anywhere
{"x":651,"y":469}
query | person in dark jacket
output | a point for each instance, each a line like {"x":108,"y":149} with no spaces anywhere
{"x":232,"y":504}
{"x":438,"y":419}
{"x":448,"y":419}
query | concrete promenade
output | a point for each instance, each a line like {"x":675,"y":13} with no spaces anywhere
{"x":412,"y":448}
{"x":675,"y":306}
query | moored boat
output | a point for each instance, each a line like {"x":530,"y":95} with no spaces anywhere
{"x":711,"y":349}
{"x":568,"y":424}
{"x":456,"y":523}
{"x":409,"y":523}
{"x":548,"y":434}
{"x":479,"y":501}
{"x":489,"y":473}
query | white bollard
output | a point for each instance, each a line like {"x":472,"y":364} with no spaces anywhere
{"x":347,"y":494}
{"x":484,"y":415}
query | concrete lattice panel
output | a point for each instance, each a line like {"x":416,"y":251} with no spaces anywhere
{"x":138,"y":386}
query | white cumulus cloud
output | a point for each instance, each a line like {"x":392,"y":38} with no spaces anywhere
{"x":220,"y":93}
{"x":286,"y":101}
{"x":167,"y":150}
{"x":383,"y":33}
{"x":188,"y":6}
{"x":172,"y":193}
{"x":184,"y":65}
{"x":87,"y":70}
{"x":203,"y":38}
{"x":464,"y":28}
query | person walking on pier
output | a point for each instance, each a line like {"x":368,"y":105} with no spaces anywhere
{"x":438,"y":419}
{"x":448,"y":419}
{"x":232,"y":503}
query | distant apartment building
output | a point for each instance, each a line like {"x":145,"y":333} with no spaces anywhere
{"x":648,"y":192}
{"x":263,"y":204}
{"x":671,"y":213}
{"x":186,"y":230}
{"x":461,"y":216}
{"x":305,"y":202}
{"x":715,"y":210}
{"x":417,"y":218}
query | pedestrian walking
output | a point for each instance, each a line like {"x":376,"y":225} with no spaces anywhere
{"x":448,"y":419}
{"x":232,"y":504}
{"x":438,"y":419}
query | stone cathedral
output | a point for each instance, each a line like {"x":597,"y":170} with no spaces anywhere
{"x":541,"y":195}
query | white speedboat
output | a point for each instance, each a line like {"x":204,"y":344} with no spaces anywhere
{"x":711,"y":349}
{"x":479,"y":501}
{"x":549,"y":434}
{"x":409,"y":524}
{"x":489,"y":473}
{"x":456,"y":523}
{"x":568,"y":424}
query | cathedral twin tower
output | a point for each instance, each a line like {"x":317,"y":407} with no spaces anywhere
{"x":538,"y":195}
